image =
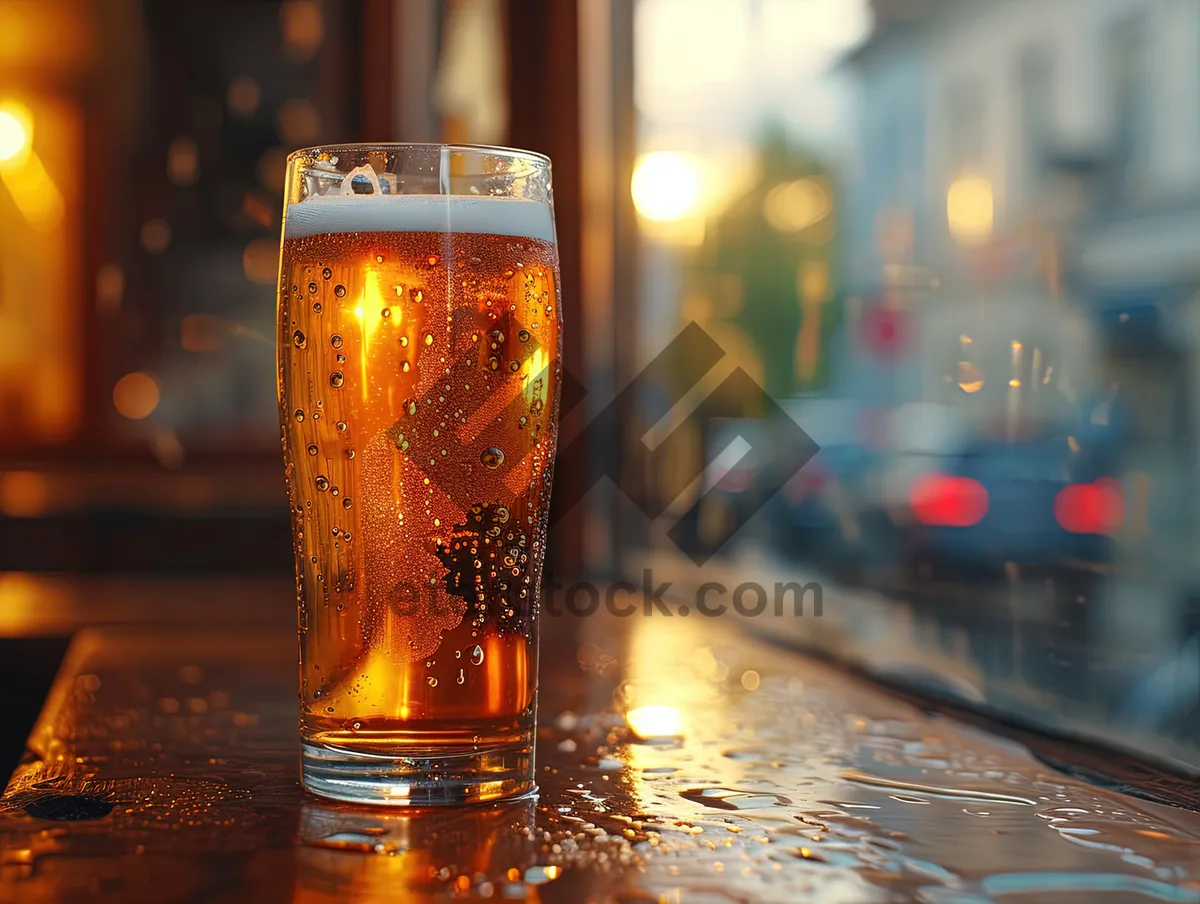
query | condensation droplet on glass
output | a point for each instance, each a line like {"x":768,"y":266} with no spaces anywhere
{"x":410,"y":406}
{"x":523,"y":335}
{"x":327,"y":273}
{"x":336,"y":340}
{"x":432,"y":681}
{"x":417,"y":295}
{"x":491,"y":457}
{"x":404,"y":342}
{"x":322,"y":482}
{"x":429,"y":339}
{"x":316,"y":307}
{"x":433,"y":259}
{"x":476,"y":655}
{"x":298,"y":339}
{"x":312,"y":450}
{"x":336,"y":379}
{"x":312,"y":288}
{"x":298,"y":414}
{"x":346,"y":503}
{"x":405,"y":366}
{"x":341,"y":426}
{"x":514,"y":366}
{"x":462,"y":676}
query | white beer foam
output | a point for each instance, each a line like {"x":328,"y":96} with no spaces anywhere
{"x":419,"y":213}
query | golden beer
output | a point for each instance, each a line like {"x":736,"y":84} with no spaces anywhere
{"x":419,"y":341}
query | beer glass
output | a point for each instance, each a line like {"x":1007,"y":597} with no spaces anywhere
{"x":418,"y":368}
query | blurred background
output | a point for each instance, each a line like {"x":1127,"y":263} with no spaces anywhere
{"x":954,"y":240}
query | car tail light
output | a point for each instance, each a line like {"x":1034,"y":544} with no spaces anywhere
{"x":939,"y":500}
{"x":1090,"y":508}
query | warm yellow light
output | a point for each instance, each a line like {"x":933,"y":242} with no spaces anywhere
{"x":970,"y":378}
{"x":33,"y":191}
{"x":970,"y":210}
{"x":655,"y":722}
{"x":794,"y":206}
{"x":14,"y":132}
{"x":136,"y":395}
{"x":666,"y":186}
{"x":23,"y":494}
{"x":260,"y":261}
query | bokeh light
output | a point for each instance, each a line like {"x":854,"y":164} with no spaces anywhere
{"x":666,"y":186}
{"x":970,"y":210}
{"x":298,"y":121}
{"x":649,"y":722}
{"x":156,"y":235}
{"x":14,"y":131}
{"x":260,"y":261}
{"x":23,"y":494}
{"x":110,"y":288}
{"x":303,"y":27}
{"x":272,"y":166}
{"x":135,"y":395}
{"x":794,"y":206}
{"x":202,"y":333}
{"x":243,"y":96}
{"x":183,"y":161}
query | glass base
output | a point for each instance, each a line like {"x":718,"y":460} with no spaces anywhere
{"x":422,"y":779}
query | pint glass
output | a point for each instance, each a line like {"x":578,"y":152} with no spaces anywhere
{"x":418,"y":368}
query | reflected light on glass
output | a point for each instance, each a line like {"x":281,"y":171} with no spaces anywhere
{"x":135,"y":395}
{"x":666,"y":186}
{"x":649,"y":722}
{"x":970,"y":210}
{"x":795,"y":206}
{"x":970,"y":378}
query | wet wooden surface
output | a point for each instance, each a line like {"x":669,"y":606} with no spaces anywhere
{"x":678,"y":761}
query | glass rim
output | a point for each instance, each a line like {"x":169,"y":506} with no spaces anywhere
{"x":495,"y":150}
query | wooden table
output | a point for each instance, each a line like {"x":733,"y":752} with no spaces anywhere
{"x":678,"y":761}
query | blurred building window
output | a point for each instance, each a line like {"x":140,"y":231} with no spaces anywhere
{"x":1130,"y":101}
{"x":967,"y":126}
{"x":1035,"y":89}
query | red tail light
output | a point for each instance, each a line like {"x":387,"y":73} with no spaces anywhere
{"x":1090,"y":508}
{"x":942,"y":501}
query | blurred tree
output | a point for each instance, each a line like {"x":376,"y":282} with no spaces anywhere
{"x":767,"y":264}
